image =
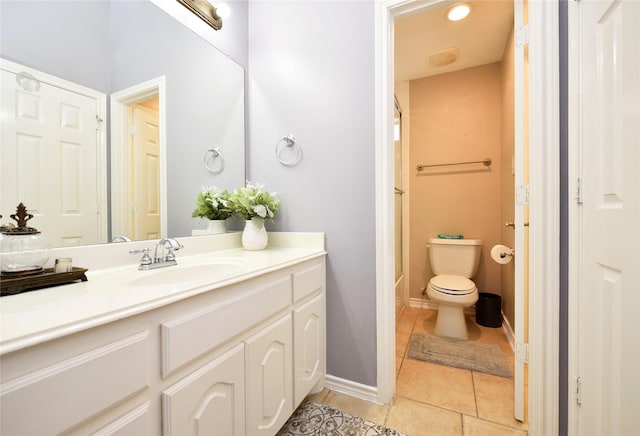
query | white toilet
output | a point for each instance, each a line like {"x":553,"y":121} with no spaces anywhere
{"x":454,"y":262}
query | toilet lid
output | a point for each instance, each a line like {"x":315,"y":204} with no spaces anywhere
{"x":453,"y":284}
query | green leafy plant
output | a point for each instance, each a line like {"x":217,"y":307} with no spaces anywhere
{"x":213,"y":203}
{"x":254,"y":203}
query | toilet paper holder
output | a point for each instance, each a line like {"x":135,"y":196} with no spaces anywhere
{"x":504,"y":254}
{"x":512,"y":224}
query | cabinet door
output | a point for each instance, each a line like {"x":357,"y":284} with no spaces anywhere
{"x":210,"y":401}
{"x":308,"y":347}
{"x":269,"y":378}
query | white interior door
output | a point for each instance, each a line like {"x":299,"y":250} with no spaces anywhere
{"x":604,"y":340}
{"x":521,"y":215}
{"x":146,"y":173}
{"x":49,"y":158}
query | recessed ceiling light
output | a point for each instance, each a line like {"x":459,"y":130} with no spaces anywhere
{"x":458,"y":12}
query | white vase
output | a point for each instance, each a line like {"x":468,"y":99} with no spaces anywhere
{"x":216,"y":227}
{"x":254,"y":236}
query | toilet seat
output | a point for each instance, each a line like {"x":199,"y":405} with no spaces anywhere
{"x":452,"y":285}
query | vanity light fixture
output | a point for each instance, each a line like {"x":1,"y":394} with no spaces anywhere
{"x":205,"y":10}
{"x":458,"y":12}
{"x":223,"y":10}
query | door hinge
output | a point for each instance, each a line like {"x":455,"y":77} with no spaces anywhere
{"x":522,"y":195}
{"x":132,"y":129}
{"x":522,"y":352}
{"x":579,"y":190}
{"x":578,"y":390}
{"x":522,"y":36}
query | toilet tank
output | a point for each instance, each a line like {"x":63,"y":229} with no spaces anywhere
{"x":459,"y":257}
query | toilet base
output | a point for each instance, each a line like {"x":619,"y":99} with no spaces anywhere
{"x":450,"y":322}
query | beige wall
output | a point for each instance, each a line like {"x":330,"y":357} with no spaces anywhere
{"x":456,"y":117}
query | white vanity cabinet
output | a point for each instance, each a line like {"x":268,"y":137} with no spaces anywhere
{"x":288,"y":331}
{"x":233,"y":360}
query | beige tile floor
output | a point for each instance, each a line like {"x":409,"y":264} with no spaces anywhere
{"x":439,"y":400}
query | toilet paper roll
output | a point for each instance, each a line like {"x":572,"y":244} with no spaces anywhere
{"x":501,"y":254}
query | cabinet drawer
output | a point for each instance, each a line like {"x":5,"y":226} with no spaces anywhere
{"x":191,"y":335}
{"x":308,"y":281}
{"x":57,"y":397}
{"x":135,"y":422}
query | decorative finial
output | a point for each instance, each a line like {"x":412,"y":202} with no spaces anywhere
{"x":21,"y":217}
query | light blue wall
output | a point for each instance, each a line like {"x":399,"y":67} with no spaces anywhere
{"x":311,"y":73}
{"x":205,"y":106}
{"x":57,"y":35}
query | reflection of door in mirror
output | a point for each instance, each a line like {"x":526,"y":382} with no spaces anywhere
{"x":50,"y":149}
{"x":145,"y":171}
{"x":138,"y":161}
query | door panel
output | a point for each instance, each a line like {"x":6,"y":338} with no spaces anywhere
{"x":607,"y":381}
{"x":49,"y":154}
{"x":146,"y":173}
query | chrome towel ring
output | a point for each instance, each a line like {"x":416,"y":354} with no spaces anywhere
{"x":288,"y":142}
{"x":212,"y":155}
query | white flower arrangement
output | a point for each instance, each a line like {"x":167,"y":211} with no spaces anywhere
{"x":213,"y":203}
{"x":253,"y":202}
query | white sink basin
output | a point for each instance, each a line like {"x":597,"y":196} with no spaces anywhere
{"x":187,"y":274}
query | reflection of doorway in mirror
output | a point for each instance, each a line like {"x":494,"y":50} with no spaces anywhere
{"x":49,"y":154}
{"x":138,"y":161}
{"x":145,"y":170}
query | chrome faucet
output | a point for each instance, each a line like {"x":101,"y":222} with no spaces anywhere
{"x":170,"y":244}
{"x":121,"y":238}
{"x":165,"y":259}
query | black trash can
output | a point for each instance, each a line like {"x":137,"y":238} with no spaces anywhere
{"x":488,"y":310}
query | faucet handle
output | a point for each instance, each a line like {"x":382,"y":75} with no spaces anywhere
{"x":171,"y":256}
{"x":145,"y":259}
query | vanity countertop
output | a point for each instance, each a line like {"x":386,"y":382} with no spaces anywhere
{"x":116,"y":292}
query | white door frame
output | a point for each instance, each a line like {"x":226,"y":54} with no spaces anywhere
{"x":519,"y":323}
{"x":120,"y":183}
{"x":544,"y":207}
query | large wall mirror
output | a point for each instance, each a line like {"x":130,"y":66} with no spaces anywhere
{"x":149,"y":96}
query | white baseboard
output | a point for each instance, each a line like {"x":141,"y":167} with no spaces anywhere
{"x":422,"y":303}
{"x":508,"y":332}
{"x":348,"y":387}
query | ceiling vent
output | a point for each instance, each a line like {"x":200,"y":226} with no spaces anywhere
{"x":443,"y":57}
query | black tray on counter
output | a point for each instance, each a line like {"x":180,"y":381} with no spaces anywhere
{"x":18,"y":282}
